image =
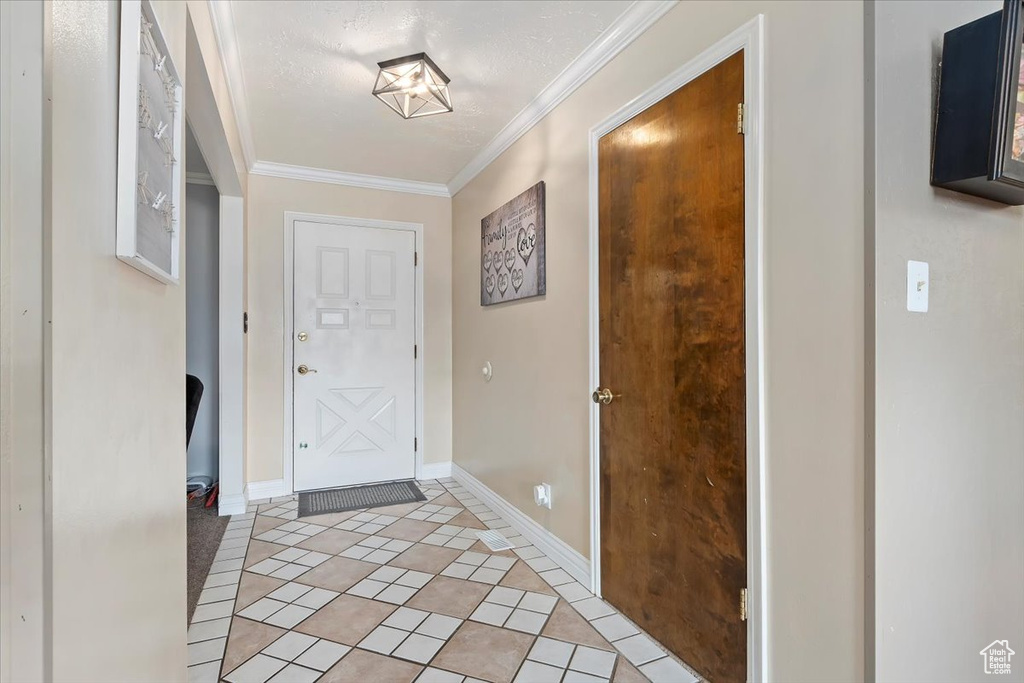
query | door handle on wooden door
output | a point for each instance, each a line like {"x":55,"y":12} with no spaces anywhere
{"x":604,"y":396}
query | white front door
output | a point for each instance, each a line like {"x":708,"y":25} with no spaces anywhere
{"x":354,"y":330}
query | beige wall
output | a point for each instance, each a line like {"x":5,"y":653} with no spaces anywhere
{"x":949,"y":402}
{"x":22,"y":562}
{"x":268,"y":199}
{"x":117,"y":377}
{"x":530,"y":423}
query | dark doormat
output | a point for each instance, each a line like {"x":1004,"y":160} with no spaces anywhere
{"x":358,"y":497}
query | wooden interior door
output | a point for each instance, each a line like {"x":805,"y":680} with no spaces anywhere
{"x":673,"y":440}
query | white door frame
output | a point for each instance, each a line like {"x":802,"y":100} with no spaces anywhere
{"x":231,"y":356}
{"x":750,"y":39}
{"x":290,"y":218}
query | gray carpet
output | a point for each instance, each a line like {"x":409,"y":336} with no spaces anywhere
{"x":205,"y":529}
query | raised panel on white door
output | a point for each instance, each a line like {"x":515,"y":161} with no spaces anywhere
{"x":354,"y":297}
{"x":332,"y":318}
{"x":377,"y":319}
{"x":328,"y":422}
{"x":332,"y":273}
{"x":380,"y":275}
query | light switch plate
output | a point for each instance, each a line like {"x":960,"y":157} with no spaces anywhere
{"x":917,"y":286}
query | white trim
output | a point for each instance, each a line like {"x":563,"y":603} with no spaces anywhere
{"x":231,"y":351}
{"x":196,"y":178}
{"x":261,"y":490}
{"x":290,"y":217}
{"x":371,"y":182}
{"x":435,"y":470}
{"x":750,"y":39}
{"x":234,"y":504}
{"x":564,"y":555}
{"x":223,"y":20}
{"x":629,"y":26}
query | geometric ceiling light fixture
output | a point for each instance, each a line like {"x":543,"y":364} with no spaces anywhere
{"x":413,"y":86}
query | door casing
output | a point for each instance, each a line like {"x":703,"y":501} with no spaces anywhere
{"x":290,"y":218}
{"x":750,"y":39}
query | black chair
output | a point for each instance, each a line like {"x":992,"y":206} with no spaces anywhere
{"x":193,"y":395}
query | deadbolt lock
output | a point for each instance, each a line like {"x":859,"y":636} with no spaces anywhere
{"x":303,"y":336}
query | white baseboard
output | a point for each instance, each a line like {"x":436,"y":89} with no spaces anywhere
{"x":231,"y":505}
{"x":435,"y":470}
{"x":558,"y":550}
{"x":272,"y":488}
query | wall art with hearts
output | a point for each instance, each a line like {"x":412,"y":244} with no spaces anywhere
{"x":512,"y":262}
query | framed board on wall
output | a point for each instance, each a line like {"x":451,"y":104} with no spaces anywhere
{"x":149,"y":144}
{"x":512,"y":259}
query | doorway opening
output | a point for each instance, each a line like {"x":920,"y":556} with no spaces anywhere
{"x":202,"y":323}
{"x":710,"y":218}
{"x":215,"y":346}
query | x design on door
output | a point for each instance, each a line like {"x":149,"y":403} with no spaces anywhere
{"x":354,"y":365}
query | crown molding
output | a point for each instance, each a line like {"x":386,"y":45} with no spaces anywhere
{"x":620,"y":34}
{"x":223,"y":19}
{"x":370,"y":182}
{"x":628,"y":27}
{"x":196,"y":178}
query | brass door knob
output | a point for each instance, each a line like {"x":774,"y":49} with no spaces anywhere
{"x":303,"y":369}
{"x":604,"y":396}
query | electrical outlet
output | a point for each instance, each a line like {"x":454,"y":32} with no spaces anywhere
{"x":542,"y":495}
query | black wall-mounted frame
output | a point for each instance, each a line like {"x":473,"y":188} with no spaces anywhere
{"x":976,"y":115}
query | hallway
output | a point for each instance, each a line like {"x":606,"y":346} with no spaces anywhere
{"x":710,"y":308}
{"x":404,"y":593}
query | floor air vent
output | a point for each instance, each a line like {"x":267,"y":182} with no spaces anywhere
{"x":495,"y":540}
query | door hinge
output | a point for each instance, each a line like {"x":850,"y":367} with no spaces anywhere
{"x":415,"y":351}
{"x":743,"y":604}
{"x":415,"y":444}
{"x":739,"y":118}
{"x":415,"y":258}
{"x":245,"y":323}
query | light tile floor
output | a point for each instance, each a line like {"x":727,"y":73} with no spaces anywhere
{"x":401,"y":594}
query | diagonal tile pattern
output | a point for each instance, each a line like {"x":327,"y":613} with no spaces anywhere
{"x":515,"y":609}
{"x":291,"y":533}
{"x":394,"y":585}
{"x":292,"y":657}
{"x":480,"y":567}
{"x":376,"y":549}
{"x":405,"y":593}
{"x":288,"y":605}
{"x":289,"y":564}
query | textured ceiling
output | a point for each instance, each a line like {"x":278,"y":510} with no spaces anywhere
{"x":309,"y":68}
